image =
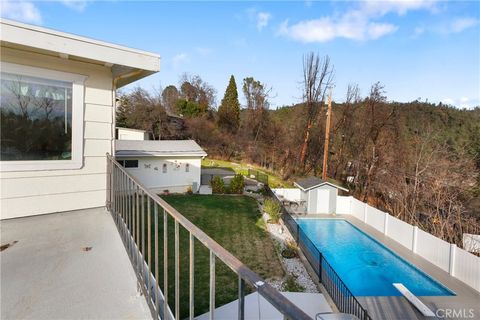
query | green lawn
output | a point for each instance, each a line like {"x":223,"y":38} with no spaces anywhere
{"x":241,"y":168}
{"x":235,"y":223}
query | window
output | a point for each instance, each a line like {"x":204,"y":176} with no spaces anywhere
{"x":128,"y":163}
{"x":41,"y":119}
{"x":164,"y":168}
{"x":131,"y":164}
{"x":187,"y":167}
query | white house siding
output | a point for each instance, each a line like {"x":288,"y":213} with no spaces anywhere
{"x":131,"y":134}
{"x":38,"y":192}
{"x":175,"y":180}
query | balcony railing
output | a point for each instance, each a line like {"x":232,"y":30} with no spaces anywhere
{"x":139,"y":214}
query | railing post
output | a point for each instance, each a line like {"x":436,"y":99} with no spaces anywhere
{"x":177,"y":271}
{"x":241,"y":298}
{"x":212,"y":285}
{"x":157,"y":288}
{"x":149,"y":243}
{"x":142,"y":222}
{"x":192,"y":277}
{"x":165,"y":265}
{"x":109,"y":184}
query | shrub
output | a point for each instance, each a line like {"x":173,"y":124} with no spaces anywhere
{"x":237,"y":184}
{"x":272,"y":208}
{"x":217,"y":184}
{"x":290,"y":250}
{"x":290,"y":285}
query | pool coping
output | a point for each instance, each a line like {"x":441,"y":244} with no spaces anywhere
{"x":397,"y":307}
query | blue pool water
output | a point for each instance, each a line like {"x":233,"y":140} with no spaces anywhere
{"x":367,"y":267}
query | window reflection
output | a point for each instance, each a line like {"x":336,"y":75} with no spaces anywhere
{"x":36,"y":118}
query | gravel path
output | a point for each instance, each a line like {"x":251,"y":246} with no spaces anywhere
{"x":293,"y":266}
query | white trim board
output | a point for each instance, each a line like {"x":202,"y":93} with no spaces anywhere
{"x":68,"y":44}
{"x":78,"y":107}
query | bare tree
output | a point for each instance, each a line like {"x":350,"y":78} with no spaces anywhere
{"x":318,"y":75}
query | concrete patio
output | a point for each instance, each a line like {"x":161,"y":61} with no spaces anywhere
{"x":70,"y":265}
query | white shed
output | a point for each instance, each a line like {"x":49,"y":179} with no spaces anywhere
{"x":131,"y":134}
{"x":319,"y":196}
{"x":58,"y":118}
{"x":161,"y":165}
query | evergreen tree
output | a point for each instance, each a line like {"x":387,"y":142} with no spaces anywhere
{"x":229,"y":109}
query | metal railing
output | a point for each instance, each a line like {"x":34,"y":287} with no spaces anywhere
{"x":139,"y":214}
{"x":336,"y":288}
{"x":259,"y":176}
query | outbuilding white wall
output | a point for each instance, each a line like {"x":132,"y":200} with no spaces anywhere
{"x":322,"y":200}
{"x":38,"y":192}
{"x":131,"y":134}
{"x":176,"y":179}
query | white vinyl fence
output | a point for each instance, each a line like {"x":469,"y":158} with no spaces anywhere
{"x":292,"y":194}
{"x":456,"y":261}
{"x":343,"y":205}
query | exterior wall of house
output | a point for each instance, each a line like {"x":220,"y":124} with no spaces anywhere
{"x":129,"y":134}
{"x":38,"y":192}
{"x":176,"y":179}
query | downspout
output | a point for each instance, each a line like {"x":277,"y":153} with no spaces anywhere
{"x":114,"y":102}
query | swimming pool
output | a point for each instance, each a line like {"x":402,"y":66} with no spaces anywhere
{"x":366,"y":266}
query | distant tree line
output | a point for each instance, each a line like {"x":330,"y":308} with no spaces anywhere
{"x":418,"y":160}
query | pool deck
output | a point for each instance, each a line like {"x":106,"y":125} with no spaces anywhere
{"x":465,"y":301}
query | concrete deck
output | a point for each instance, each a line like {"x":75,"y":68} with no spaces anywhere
{"x":257,"y":308}
{"x":464,"y":303}
{"x":49,"y":273}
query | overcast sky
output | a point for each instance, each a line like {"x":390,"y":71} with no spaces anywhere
{"x":417,"y":49}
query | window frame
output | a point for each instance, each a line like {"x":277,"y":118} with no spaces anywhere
{"x":78,"y":107}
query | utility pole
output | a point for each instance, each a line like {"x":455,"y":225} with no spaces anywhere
{"x":327,"y":136}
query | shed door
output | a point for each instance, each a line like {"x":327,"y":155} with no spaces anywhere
{"x":323,"y":201}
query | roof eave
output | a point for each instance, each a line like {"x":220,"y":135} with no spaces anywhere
{"x":319,"y":185}
{"x":145,"y":155}
{"x":127,"y":64}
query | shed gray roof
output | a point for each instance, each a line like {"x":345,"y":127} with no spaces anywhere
{"x":158,"y":148}
{"x":314,"y":182}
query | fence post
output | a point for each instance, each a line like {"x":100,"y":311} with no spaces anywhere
{"x":365,"y":213}
{"x":320,"y":267}
{"x":385,"y":224}
{"x":415,"y":237}
{"x":453,"y":254}
{"x":351,"y":204}
{"x":298,"y":234}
